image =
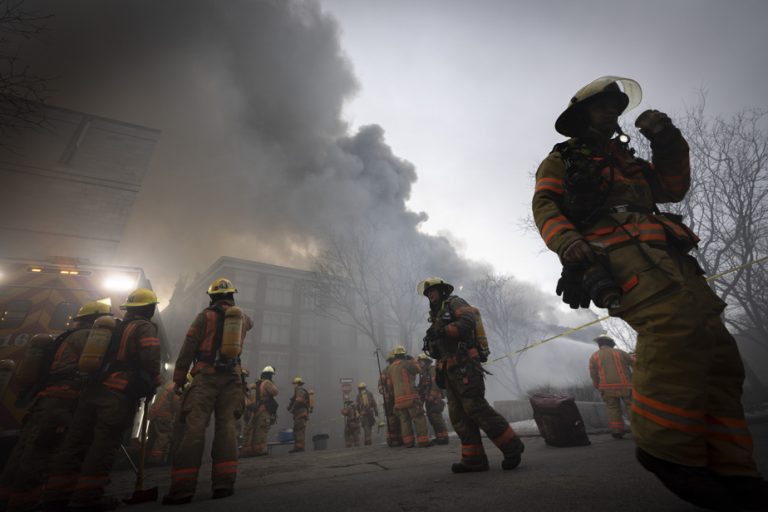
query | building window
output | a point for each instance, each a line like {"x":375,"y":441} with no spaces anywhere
{"x":279,"y":292}
{"x":14,"y":313}
{"x":62,"y":316}
{"x":309,"y":330}
{"x":276,"y":328}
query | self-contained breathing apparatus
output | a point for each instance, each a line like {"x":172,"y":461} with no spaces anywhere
{"x":587,"y":188}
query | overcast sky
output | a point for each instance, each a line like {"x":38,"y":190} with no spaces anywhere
{"x":469,"y":92}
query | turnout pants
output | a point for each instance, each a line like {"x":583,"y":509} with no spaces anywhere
{"x":42,"y":432}
{"x":393,"y":427}
{"x":410,"y":416}
{"x":687,"y":381}
{"x":159,"y":440}
{"x":470,"y":412}
{"x":435,"y":417}
{"x":220,"y":394}
{"x":300,"y":429}
{"x":352,"y":434}
{"x":368,"y":423}
{"x":613,"y":399}
{"x":80,"y":470}
{"x":256,"y":433}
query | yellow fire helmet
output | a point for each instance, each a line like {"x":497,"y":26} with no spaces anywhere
{"x":428,"y":283}
{"x":95,"y":308}
{"x":140,"y":297}
{"x":399,"y":350}
{"x":361,"y":385}
{"x":424,"y":357}
{"x":221,"y":285}
{"x":573,"y":121}
{"x":268,"y":369}
{"x":297,"y":380}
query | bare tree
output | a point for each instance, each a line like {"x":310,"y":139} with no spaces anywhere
{"x":511,"y":318}
{"x":361,"y":281}
{"x":21,"y":90}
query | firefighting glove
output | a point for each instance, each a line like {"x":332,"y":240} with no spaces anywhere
{"x":484,"y":352}
{"x":569,"y":286}
{"x":656,"y":126}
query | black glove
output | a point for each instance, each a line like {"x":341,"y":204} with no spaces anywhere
{"x":484,"y":352}
{"x":569,"y":286}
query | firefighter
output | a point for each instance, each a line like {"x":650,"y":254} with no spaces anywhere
{"x":401,"y":375}
{"x":369,"y":411}
{"x":79,"y":472}
{"x":162,"y":415}
{"x":432,"y":397}
{"x":611,"y":371}
{"x":54,"y":396}
{"x":351,"y":424}
{"x":263,"y":414}
{"x":393,"y":422}
{"x":213,"y":349}
{"x":451,"y":340}
{"x":300,"y":407}
{"x":595,"y":206}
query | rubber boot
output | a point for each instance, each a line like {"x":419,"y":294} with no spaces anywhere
{"x":696,"y":485}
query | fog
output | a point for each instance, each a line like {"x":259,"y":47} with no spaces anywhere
{"x":254,"y":160}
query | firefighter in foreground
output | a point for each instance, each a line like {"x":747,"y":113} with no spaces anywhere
{"x":595,"y":206}
{"x":432,"y":397}
{"x":300,"y":407}
{"x":611,"y":371}
{"x":369,"y":411}
{"x":402,"y":373}
{"x":212,"y":346}
{"x":48,"y":376}
{"x":393,"y":422}
{"x":123,"y":363}
{"x":351,"y":424}
{"x":451,"y":339}
{"x":263,"y":409}
{"x":162,"y":415}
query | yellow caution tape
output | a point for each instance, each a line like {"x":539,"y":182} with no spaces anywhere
{"x":593,"y":322}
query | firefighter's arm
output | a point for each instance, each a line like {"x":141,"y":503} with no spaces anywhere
{"x":670,"y":176}
{"x":270,"y":389}
{"x":188,"y":350}
{"x":594,"y":373}
{"x":555,"y":229}
{"x":464,"y":323}
{"x":149,"y":350}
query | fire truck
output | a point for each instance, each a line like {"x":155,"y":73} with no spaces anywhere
{"x":42,"y":297}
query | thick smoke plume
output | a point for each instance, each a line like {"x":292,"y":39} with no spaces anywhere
{"x":254,"y":160}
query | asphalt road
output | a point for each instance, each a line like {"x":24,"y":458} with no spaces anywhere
{"x":600,"y":477}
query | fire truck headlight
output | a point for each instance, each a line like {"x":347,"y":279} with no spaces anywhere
{"x":120,"y":283}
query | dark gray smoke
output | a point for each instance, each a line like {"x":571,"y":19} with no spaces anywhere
{"x":254,"y":160}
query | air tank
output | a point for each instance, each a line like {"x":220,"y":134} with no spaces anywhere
{"x":96,"y":345}
{"x":232,"y":332}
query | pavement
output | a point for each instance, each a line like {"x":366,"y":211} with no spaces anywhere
{"x":601,"y":477}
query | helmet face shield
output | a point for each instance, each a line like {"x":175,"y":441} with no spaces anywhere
{"x":574,"y":121}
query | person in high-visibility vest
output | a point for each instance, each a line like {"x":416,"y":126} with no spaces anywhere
{"x":610,"y":369}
